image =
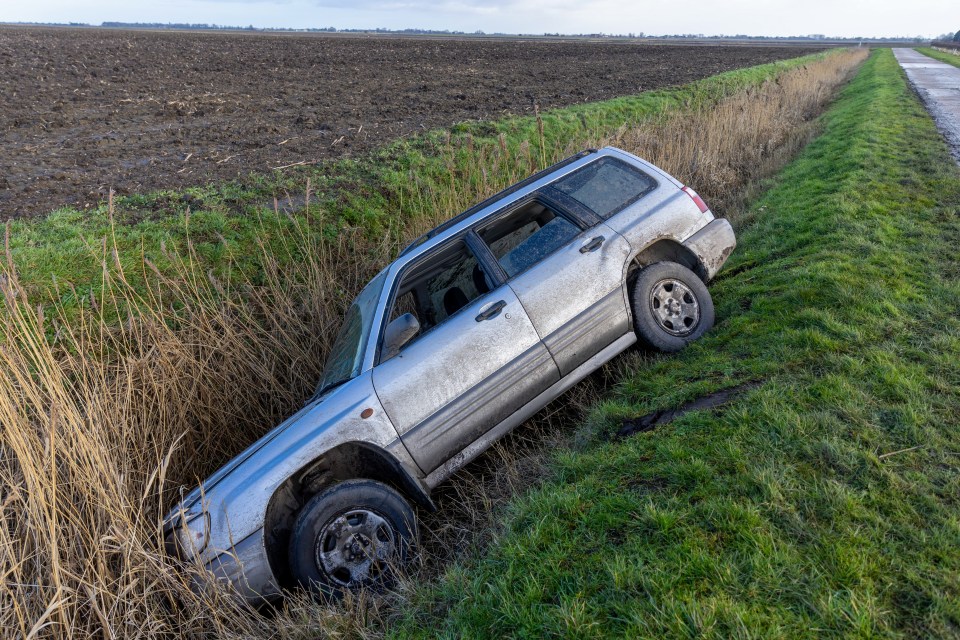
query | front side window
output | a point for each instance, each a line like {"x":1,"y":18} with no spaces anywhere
{"x":606,"y":186}
{"x":527,"y":236}
{"x":438,"y":287}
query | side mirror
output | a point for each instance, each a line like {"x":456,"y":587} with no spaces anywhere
{"x":398,"y":333}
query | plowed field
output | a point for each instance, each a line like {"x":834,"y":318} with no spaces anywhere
{"x":86,"y":110}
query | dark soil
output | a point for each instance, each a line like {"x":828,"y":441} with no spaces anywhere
{"x":85,"y":110}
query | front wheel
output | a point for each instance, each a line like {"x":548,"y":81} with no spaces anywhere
{"x":671,"y":306}
{"x":353,"y":535}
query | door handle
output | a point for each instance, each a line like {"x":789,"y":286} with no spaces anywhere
{"x":593,"y":245}
{"x":492,"y":311}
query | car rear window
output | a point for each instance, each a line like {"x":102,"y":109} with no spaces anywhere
{"x":606,"y":186}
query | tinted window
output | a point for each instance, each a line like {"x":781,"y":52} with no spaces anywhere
{"x":606,"y":186}
{"x":527,"y":236}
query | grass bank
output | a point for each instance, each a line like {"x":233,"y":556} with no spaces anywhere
{"x":823,"y":501}
{"x":941,"y":55}
{"x":147,"y":342}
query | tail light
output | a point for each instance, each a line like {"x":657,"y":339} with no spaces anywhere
{"x":697,"y":199}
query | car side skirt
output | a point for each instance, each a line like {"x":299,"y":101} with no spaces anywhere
{"x":482,"y":443}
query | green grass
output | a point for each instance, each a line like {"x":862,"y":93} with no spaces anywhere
{"x":825,"y":502}
{"x":226,"y":222}
{"x":949,"y":58}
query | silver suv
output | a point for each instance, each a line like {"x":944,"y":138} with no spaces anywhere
{"x":471,"y":330}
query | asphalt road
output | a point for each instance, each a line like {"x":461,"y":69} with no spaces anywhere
{"x":938,"y":84}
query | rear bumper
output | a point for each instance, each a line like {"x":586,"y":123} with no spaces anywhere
{"x":712,"y":245}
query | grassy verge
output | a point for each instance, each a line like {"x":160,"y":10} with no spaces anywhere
{"x":942,"y":56}
{"x":824,"y":501}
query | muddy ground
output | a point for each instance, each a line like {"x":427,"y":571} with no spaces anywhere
{"x":86,"y":110}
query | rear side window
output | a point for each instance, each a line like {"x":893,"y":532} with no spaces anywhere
{"x":527,"y":236}
{"x":606,"y":186}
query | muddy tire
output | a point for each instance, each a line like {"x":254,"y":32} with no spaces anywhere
{"x":354,"y":535}
{"x":671,"y":306}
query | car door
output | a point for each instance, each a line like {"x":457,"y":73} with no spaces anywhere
{"x":567,"y":269}
{"x":476,"y":359}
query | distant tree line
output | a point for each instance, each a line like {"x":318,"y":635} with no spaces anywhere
{"x":209,"y":27}
{"x":948,"y":41}
{"x":699,"y":36}
{"x":175,"y":25}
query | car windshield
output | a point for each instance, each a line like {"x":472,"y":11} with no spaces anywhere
{"x":346,"y":356}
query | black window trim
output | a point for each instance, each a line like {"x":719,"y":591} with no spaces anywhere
{"x":577,"y":212}
{"x":487,"y":260}
{"x":495,"y":198}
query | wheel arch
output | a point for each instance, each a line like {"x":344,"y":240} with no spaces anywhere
{"x":347,"y":461}
{"x":665,"y":250}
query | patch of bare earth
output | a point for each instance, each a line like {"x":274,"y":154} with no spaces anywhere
{"x":86,"y":110}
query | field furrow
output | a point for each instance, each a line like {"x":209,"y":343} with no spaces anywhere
{"x":90,"y":110}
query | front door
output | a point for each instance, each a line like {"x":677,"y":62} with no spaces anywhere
{"x":476,"y":360}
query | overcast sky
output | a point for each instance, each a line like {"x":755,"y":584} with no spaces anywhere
{"x":753,"y":17}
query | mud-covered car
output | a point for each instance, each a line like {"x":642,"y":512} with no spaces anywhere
{"x":471,"y":330}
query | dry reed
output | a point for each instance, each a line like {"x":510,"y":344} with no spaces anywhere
{"x":105,"y":410}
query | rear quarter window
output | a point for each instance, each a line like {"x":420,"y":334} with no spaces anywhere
{"x":606,"y":186}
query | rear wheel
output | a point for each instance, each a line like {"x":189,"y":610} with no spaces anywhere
{"x":353,"y":535}
{"x":671,"y":306}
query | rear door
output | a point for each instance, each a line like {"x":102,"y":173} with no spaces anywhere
{"x":477,"y":358}
{"x":566,"y":268}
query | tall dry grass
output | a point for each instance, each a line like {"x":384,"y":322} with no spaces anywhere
{"x":723,"y":151}
{"x":106,"y":410}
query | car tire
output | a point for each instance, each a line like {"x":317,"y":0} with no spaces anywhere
{"x":671,"y":306}
{"x":354,"y":535}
